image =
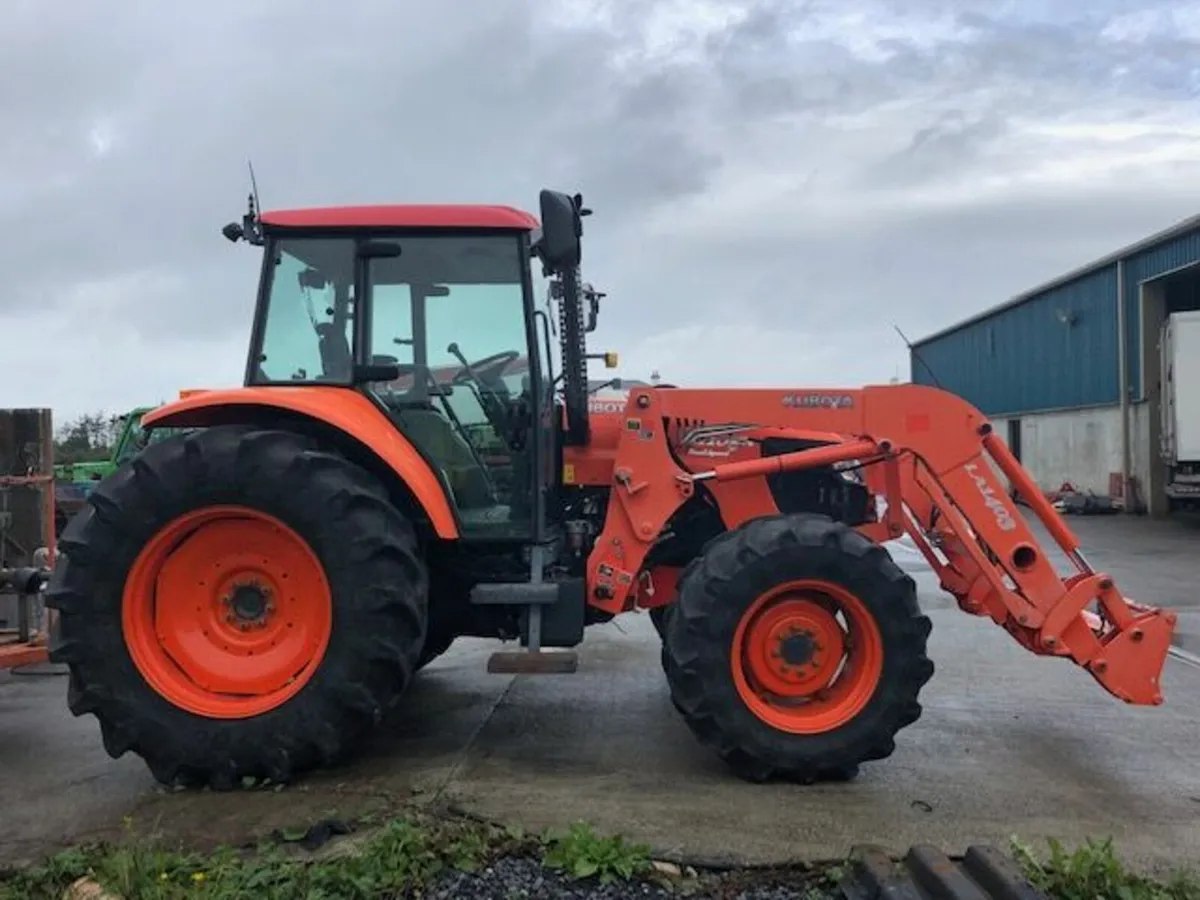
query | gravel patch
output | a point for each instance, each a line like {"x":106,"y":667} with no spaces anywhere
{"x":520,"y":878}
{"x":516,"y":878}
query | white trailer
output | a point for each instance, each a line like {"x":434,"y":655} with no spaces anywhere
{"x":1181,"y":408}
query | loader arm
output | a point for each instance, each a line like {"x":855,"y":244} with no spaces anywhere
{"x":933,"y":458}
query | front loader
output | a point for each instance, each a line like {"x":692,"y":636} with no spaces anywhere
{"x":247,"y":598}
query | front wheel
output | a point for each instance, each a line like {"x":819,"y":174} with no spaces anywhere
{"x":236,"y":603}
{"x":796,"y":649}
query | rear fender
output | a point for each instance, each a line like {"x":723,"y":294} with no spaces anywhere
{"x":345,"y":415}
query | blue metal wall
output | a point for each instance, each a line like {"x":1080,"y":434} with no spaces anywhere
{"x":1024,"y":359}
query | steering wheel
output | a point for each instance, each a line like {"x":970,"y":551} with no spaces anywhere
{"x":483,"y":377}
{"x":486,"y":369}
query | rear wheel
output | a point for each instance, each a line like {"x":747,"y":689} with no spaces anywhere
{"x":238,"y":603}
{"x":796,"y":649}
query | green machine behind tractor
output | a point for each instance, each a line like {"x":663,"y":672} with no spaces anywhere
{"x":73,"y":481}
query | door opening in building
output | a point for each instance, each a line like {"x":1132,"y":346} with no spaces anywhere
{"x":1014,"y":437}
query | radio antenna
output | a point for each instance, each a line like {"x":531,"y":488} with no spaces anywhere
{"x":252,"y":227}
{"x":253,"y":188}
{"x":916,"y":355}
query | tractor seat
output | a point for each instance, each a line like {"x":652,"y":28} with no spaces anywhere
{"x":439,"y":440}
{"x":336,"y":359}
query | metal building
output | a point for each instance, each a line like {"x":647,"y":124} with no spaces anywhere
{"x":1048,"y":367}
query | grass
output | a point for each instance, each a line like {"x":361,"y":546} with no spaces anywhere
{"x":1093,"y":871}
{"x":395,"y":860}
{"x":404,"y":855}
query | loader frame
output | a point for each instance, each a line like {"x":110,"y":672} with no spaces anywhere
{"x":934,"y":460}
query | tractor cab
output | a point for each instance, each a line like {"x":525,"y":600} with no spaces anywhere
{"x":431,"y":314}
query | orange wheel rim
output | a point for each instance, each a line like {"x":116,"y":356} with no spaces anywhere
{"x":807,"y":657}
{"x":227,"y":612}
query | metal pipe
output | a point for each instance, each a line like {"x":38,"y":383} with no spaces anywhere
{"x":1123,"y":381}
{"x":788,"y":462}
{"x":1081,"y":562}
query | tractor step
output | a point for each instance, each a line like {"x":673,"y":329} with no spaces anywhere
{"x":521,"y":593}
{"x":533,"y":662}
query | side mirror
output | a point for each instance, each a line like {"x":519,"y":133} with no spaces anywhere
{"x":562,"y":228}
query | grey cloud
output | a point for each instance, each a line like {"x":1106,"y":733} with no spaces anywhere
{"x":952,"y":142}
{"x":363,"y":101}
{"x":332,"y":109}
{"x":920,"y":269}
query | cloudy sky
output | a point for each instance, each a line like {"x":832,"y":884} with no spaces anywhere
{"x":775,"y":183}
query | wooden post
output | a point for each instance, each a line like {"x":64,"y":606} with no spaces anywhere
{"x":26,"y":493}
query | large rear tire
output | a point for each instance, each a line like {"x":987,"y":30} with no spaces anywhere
{"x":235,"y":603}
{"x":761,"y":667}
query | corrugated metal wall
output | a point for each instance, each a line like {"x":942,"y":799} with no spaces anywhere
{"x":1024,"y":359}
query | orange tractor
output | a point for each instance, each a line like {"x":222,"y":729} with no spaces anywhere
{"x":249,"y":597}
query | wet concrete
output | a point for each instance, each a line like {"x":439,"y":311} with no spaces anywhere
{"x":1155,"y":561}
{"x":1009,"y":744}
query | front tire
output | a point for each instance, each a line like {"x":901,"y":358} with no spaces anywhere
{"x":658,"y":618}
{"x":237,"y":603}
{"x":765,"y":674}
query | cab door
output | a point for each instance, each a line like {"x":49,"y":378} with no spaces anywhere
{"x":453,"y":311}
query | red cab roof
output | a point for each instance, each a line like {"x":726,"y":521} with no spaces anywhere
{"x":404,"y":216}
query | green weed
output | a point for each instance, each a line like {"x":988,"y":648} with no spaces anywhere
{"x":581,"y":853}
{"x":1092,"y":871}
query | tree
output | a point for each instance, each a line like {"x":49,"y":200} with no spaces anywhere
{"x":87,"y":437}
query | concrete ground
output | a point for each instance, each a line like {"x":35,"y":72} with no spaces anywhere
{"x":1009,"y":744}
{"x":1154,"y":561}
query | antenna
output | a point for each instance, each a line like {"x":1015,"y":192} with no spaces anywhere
{"x":917,"y":356}
{"x":250,"y":230}
{"x":251,"y":227}
{"x":254,"y":204}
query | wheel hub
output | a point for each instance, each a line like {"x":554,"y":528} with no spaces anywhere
{"x":227,"y":612}
{"x":249,"y":604}
{"x":797,"y":665}
{"x":798,"y":649}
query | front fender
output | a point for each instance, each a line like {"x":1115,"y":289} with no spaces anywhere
{"x":349,"y":412}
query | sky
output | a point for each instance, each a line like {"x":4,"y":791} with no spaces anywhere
{"x":775,"y":184}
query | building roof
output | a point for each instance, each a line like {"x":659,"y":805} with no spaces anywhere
{"x":1180,"y":228}
{"x":404,"y":216}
